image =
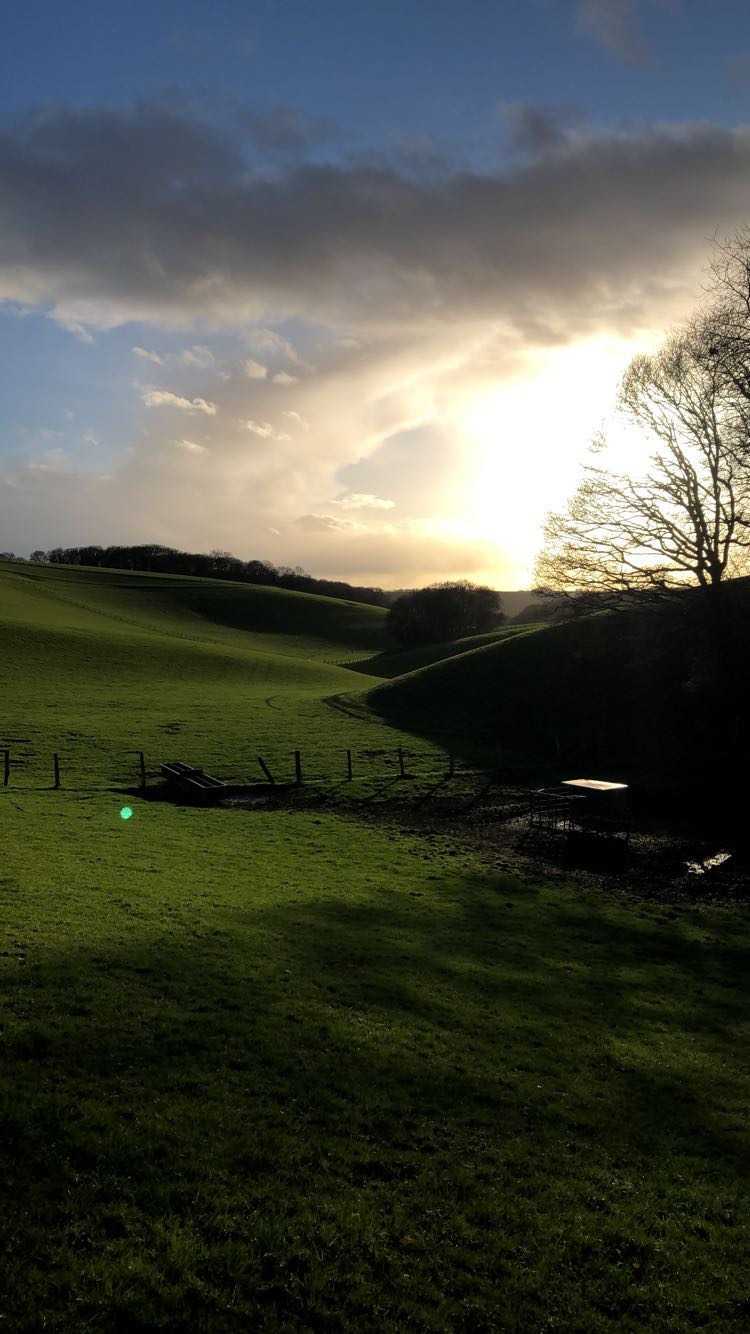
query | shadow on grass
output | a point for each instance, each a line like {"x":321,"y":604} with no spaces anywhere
{"x":411,"y":1112}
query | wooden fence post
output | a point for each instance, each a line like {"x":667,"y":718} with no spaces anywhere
{"x":56,"y":764}
{"x":297,"y":766}
{"x":266,"y":769}
{"x":142,"y":763}
{"x":402,"y":770}
{"x":349,"y":773}
{"x":6,"y":768}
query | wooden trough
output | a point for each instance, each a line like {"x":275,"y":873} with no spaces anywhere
{"x":195,"y":785}
{"x":193,"y":782}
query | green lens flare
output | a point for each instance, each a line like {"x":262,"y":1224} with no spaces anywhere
{"x":126,"y":813}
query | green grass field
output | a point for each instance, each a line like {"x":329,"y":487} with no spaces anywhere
{"x":99,"y":664}
{"x":290,"y":1070}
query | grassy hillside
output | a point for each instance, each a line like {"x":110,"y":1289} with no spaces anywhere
{"x":181,"y":606}
{"x":98,"y":663}
{"x":628,"y":695}
{"x":397,"y":662}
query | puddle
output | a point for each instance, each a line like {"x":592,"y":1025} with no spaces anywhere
{"x":709,"y":863}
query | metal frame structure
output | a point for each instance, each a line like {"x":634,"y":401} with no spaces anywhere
{"x":582,"y":807}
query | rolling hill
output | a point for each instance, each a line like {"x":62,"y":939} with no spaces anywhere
{"x":626,"y":695}
{"x":301,"y":623}
{"x":399,"y":662}
{"x":98,"y":663}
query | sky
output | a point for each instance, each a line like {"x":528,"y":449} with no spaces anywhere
{"x":346,"y":286}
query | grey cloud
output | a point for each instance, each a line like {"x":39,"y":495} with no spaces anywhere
{"x":146,"y":147}
{"x":111,"y":216}
{"x":417,"y":155}
{"x":286,"y":130}
{"x":536,"y":129}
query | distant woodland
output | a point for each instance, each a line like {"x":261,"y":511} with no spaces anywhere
{"x":215,"y":565}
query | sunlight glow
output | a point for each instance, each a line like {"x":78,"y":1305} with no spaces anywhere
{"x":530,"y":437}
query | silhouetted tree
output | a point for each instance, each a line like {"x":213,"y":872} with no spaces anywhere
{"x":686,"y":519}
{"x":443,"y":611}
{"x":725,"y":326}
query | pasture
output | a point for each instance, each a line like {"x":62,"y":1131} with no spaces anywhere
{"x":285,"y":1069}
{"x":98,"y":664}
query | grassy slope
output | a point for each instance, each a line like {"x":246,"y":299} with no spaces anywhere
{"x":628,"y":695}
{"x":97,"y":663}
{"x":193,"y":608}
{"x":397,"y":662}
{"x":459,"y":698}
{"x":281,"y":1070}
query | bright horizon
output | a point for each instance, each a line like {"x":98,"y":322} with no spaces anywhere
{"x":369,"y":335}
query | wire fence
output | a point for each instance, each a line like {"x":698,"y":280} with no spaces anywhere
{"x":90,"y":763}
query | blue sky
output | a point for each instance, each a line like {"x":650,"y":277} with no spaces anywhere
{"x":257,"y":259}
{"x":378,"y":69}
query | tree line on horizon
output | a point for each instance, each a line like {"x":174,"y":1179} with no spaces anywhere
{"x":440,"y":612}
{"x":443,"y":612}
{"x":153,"y":558}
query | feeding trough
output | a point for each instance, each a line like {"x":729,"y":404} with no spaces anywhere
{"x":193,"y":782}
{"x":190,"y":783}
{"x":603,"y":807}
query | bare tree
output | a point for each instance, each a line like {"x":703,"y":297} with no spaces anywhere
{"x":686,"y":519}
{"x":724,"y":329}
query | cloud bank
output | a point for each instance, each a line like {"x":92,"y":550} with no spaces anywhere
{"x":367,"y":305}
{"x":112,"y":216}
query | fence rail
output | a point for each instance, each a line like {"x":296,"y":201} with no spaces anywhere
{"x":88,"y":763}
